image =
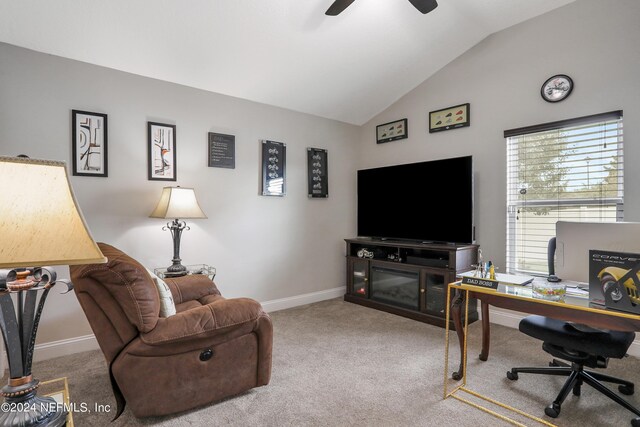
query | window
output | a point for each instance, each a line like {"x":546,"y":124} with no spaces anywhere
{"x":571,"y":170}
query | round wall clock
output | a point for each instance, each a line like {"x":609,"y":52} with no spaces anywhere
{"x":556,"y":88}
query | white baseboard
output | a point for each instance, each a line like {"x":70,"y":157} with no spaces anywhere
{"x":88,"y":342}
{"x":505,"y":317}
{"x":512,"y":318}
{"x":298,"y":300}
{"x":65,"y":347}
{"x":50,"y":350}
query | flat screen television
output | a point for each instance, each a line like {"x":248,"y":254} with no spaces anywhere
{"x":427,"y":201}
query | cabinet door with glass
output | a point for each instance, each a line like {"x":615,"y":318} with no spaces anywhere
{"x":358,"y":277}
{"x":433,"y":292}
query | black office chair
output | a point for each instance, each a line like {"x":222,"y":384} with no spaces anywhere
{"x":582,"y":346}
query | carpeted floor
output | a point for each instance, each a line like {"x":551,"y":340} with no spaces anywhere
{"x":340,"y":364}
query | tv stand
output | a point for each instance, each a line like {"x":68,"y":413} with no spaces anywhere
{"x":407,"y":278}
{"x":433,"y":242}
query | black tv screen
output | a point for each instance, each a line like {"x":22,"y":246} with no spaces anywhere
{"x":427,"y":201}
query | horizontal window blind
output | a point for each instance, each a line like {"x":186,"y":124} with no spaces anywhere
{"x":563,"y":171}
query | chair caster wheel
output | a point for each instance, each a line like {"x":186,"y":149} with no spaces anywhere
{"x":512,"y":375}
{"x":635,"y":422}
{"x":553,"y":410}
{"x":628,"y":390}
{"x":576,"y":390}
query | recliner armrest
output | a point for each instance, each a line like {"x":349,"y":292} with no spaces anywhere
{"x":191,"y":287}
{"x":219,"y":317}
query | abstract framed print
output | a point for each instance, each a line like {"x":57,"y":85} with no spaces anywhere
{"x":89,"y":143}
{"x":161,"y":151}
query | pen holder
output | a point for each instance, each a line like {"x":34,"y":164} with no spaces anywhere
{"x":549,"y":291}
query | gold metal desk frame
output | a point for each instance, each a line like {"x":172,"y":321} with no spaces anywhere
{"x":520,"y":297}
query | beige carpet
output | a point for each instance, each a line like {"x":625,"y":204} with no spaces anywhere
{"x":339,"y":364}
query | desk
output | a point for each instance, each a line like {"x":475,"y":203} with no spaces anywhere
{"x":519,"y":298}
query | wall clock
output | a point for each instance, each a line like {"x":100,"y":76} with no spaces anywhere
{"x":556,"y":88}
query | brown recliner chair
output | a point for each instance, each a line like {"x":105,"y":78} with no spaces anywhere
{"x":210,"y":349}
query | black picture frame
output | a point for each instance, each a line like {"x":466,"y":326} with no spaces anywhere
{"x":221,"y":150}
{"x":317,"y":173}
{"x":89,"y":144}
{"x":274,"y":168}
{"x":161,"y":140}
{"x":392,"y":131}
{"x":458,"y":116}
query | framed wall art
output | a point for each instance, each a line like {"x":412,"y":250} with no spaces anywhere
{"x":449,"y":118}
{"x":161,"y":146}
{"x":274,"y":168}
{"x":89,"y":143}
{"x":392,"y":131}
{"x":222,"y":150}
{"x":317,"y":177}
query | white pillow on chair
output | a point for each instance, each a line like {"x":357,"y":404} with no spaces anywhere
{"x":167,"y":305}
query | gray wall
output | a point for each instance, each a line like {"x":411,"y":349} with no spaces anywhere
{"x":263,"y":247}
{"x":595,"y":42}
{"x":270,"y":248}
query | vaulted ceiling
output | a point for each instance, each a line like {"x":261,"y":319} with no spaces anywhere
{"x":286,"y":53}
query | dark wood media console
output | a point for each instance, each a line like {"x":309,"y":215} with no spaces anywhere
{"x":407,"y":279}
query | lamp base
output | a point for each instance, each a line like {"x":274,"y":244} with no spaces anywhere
{"x":22,"y":406}
{"x":176,"y":227}
{"x":177,"y":268}
{"x":32,"y":410}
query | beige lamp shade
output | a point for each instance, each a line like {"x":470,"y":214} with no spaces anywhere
{"x":40,"y":222}
{"x":178,"y":203}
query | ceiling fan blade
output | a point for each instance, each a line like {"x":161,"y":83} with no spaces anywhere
{"x":338,"y":6}
{"x":424,"y":6}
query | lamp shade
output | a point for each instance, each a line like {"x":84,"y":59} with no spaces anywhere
{"x":178,"y":203}
{"x":40,"y":222}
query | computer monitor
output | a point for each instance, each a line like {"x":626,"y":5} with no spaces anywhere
{"x":574,"y":239}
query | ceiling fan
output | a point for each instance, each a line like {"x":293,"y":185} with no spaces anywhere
{"x":424,"y":6}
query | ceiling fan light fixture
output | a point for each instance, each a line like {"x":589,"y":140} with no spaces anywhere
{"x":424,"y":6}
{"x":338,"y":6}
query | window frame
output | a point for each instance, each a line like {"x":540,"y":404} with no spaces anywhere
{"x":512,"y":168}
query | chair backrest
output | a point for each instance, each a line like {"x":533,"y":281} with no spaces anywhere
{"x":119,"y":299}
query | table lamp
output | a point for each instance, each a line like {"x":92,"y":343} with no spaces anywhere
{"x":40,"y":225}
{"x":176,"y":203}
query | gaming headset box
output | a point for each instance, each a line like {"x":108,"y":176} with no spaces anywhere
{"x":614,"y":280}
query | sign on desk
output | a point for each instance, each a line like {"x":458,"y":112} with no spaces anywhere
{"x":483,"y":283}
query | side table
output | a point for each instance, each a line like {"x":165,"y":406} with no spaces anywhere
{"x":191,"y":269}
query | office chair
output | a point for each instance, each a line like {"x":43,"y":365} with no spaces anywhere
{"x":582,"y":346}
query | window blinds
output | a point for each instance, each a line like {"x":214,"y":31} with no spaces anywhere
{"x":571,"y":170}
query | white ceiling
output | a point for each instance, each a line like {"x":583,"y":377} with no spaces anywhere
{"x":279,"y":52}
